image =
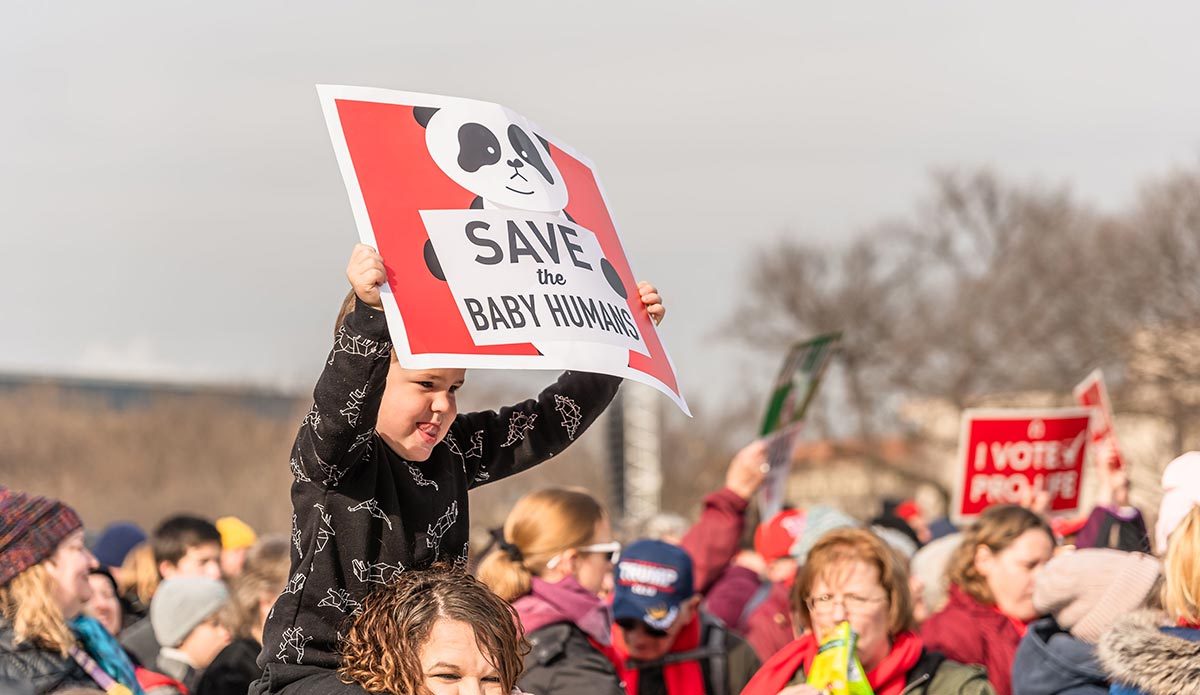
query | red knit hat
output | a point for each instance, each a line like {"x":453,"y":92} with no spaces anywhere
{"x":31,"y":527}
{"x":774,"y":538}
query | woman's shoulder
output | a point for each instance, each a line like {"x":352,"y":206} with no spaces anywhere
{"x":555,"y":641}
{"x":27,"y":663}
{"x":1141,"y":650}
{"x":934,"y":673}
{"x":563,"y":660}
{"x":962,"y":611}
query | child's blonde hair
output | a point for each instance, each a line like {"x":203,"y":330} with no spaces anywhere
{"x":541,"y":525}
{"x":1181,"y":585}
{"x":28,"y":604}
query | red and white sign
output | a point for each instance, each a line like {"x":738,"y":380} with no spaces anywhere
{"x":497,"y":239}
{"x":1009,"y":456}
{"x":1091,"y":393}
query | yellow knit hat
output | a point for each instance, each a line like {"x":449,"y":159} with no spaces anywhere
{"x":235,"y":533}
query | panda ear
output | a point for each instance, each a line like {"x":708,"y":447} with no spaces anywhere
{"x":423,"y":114}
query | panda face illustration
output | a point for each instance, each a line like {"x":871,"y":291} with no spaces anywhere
{"x":495,"y":154}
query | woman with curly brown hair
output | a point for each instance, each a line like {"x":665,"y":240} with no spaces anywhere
{"x":429,"y":632}
{"x":991,"y":577}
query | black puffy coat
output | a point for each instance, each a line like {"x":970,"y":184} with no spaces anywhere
{"x":46,"y":671}
{"x":563,"y":661}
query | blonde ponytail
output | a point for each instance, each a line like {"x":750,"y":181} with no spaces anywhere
{"x":507,"y":577}
{"x":541,"y":525}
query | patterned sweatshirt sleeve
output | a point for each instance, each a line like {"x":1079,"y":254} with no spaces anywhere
{"x":337,"y":432}
{"x":493,"y":445}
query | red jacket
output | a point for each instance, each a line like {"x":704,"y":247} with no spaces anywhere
{"x":712,"y":543}
{"x":768,"y":628}
{"x":969,"y":632}
{"x":713,"y":540}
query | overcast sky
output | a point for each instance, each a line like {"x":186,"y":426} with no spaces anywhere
{"x":172,"y":207}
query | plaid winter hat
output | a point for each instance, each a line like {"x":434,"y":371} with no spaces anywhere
{"x":31,"y":527}
{"x":651,"y":581}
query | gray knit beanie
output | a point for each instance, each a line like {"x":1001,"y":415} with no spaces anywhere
{"x":819,"y":521}
{"x":1088,"y":589}
{"x":182,"y":603}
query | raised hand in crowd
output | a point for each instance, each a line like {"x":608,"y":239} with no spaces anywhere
{"x":712,"y":541}
{"x":748,"y":469}
{"x":1113,"y":479}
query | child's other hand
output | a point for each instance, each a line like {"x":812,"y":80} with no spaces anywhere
{"x":365,"y":273}
{"x":652,"y":301}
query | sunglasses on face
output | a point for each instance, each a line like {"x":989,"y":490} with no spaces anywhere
{"x":611,"y":548}
{"x":633,"y":625}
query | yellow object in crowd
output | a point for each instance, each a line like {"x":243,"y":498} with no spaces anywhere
{"x":835,"y":669}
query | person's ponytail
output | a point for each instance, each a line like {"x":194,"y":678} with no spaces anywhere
{"x":503,"y":570}
{"x":541,"y":525}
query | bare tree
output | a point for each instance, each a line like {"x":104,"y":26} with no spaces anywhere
{"x":988,"y":287}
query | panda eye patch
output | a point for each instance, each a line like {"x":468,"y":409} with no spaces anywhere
{"x":477,"y":147}
{"x":525,"y":148}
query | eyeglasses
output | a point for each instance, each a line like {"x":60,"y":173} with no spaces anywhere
{"x":613,"y":548}
{"x":633,"y":625}
{"x":853,"y":603}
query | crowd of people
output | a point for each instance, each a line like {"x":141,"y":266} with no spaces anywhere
{"x":375,"y":591}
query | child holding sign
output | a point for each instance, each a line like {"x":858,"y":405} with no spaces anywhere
{"x":382,"y":465}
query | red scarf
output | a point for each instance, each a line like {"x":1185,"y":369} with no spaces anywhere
{"x":886,"y":679}
{"x":1021,"y":626}
{"x":684,"y":678}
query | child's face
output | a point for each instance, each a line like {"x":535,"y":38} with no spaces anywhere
{"x":417,"y":408}
{"x":202,"y":560}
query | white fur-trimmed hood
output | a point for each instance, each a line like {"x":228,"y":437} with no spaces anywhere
{"x":1136,"y":652}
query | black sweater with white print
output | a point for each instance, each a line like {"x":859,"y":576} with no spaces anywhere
{"x":362,"y":514}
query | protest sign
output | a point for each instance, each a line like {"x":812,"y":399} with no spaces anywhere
{"x":791,"y":394}
{"x":1009,"y":456}
{"x":497,"y":239}
{"x":1091,"y":393}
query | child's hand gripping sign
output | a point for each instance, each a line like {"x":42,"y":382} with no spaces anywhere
{"x":499,"y":247}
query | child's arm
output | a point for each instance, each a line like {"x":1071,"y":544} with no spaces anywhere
{"x":337,"y":432}
{"x":493,"y":445}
